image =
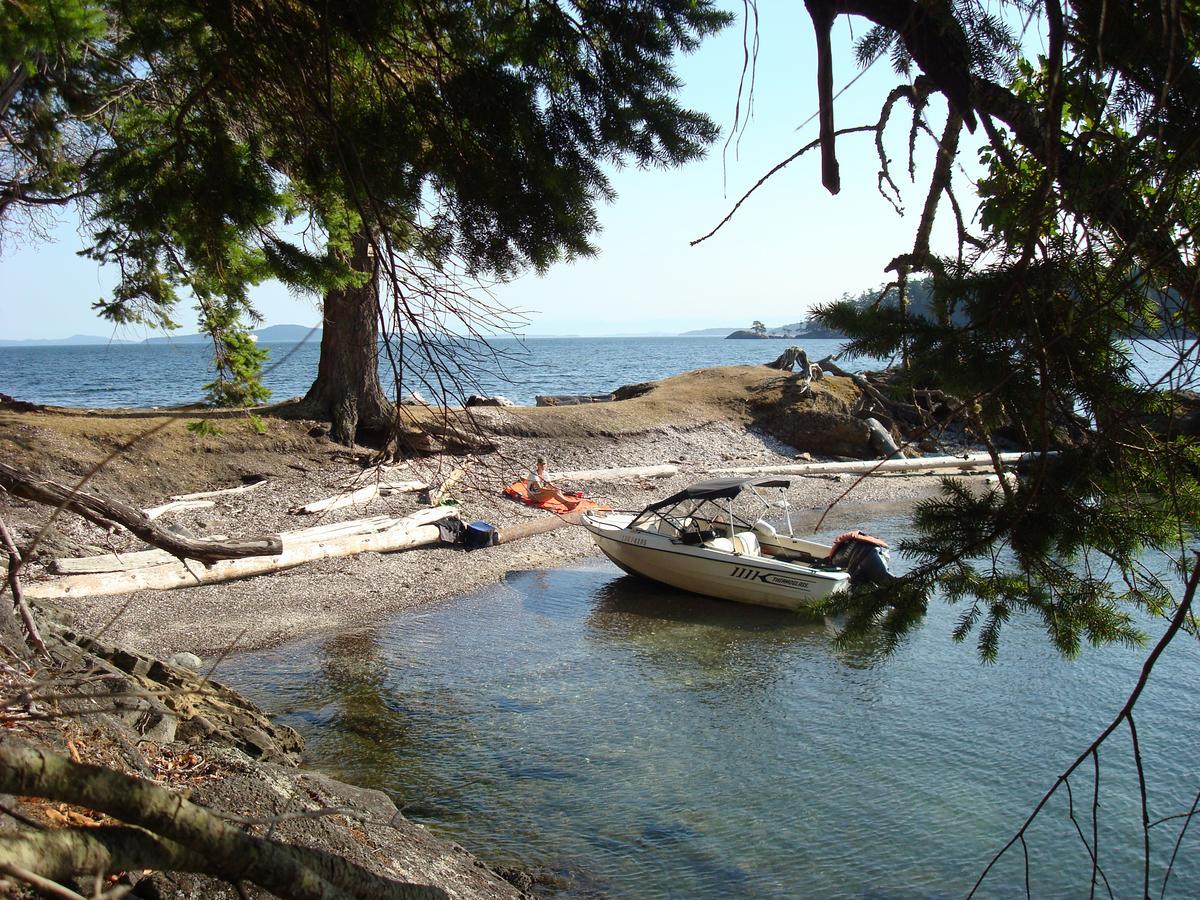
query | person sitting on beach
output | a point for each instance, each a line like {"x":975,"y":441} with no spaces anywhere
{"x":541,"y":488}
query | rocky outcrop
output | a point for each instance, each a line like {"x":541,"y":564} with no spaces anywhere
{"x":818,"y":418}
{"x":359,"y":825}
{"x":166,"y":703}
{"x":744,"y":335}
{"x":172,"y":725}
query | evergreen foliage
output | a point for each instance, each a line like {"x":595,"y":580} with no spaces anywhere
{"x":1087,"y":244}
{"x":467,"y":137}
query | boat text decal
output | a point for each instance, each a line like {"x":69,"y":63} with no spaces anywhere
{"x":769,"y":577}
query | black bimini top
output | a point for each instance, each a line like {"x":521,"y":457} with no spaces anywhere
{"x":717,"y":489}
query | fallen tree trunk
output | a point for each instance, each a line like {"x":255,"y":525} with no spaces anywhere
{"x":663,"y":471}
{"x":105,"y":511}
{"x":570,"y":399}
{"x":111,"y":562}
{"x":960,"y":463}
{"x":144,"y":559}
{"x":195,"y":838}
{"x":540,"y":525}
{"x":412,"y":531}
{"x":13,"y":578}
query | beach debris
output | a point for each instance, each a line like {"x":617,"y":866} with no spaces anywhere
{"x":882,"y":441}
{"x":156,"y":512}
{"x":416,"y":530}
{"x":571,"y":399}
{"x":966,"y":463}
{"x":240,"y":489}
{"x":361,"y":496}
{"x":436,"y":496}
{"x":108,"y":513}
{"x":619,"y":474}
{"x":540,"y":525}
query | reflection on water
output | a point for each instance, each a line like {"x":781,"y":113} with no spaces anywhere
{"x":659,"y":744}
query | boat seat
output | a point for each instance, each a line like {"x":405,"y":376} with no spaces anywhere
{"x":724,"y":544}
{"x":745,"y":543}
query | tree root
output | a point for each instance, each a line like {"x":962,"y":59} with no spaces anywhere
{"x":178,"y":835}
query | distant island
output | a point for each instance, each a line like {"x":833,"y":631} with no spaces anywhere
{"x":797,"y":331}
{"x":271,"y":334}
{"x":75,"y":340}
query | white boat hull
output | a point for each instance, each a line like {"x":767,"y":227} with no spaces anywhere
{"x":754,"y":579}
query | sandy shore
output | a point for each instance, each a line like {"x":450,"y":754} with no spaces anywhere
{"x":357,"y":593}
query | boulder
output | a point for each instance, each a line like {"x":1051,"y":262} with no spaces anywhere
{"x":498,"y":400}
{"x":813,"y":417}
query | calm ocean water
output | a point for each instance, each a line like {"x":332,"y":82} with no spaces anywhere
{"x":119,"y":375}
{"x":657,"y":744}
{"x":123,"y":375}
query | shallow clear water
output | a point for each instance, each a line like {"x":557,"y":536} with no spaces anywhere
{"x":657,"y":744}
{"x":118,"y":375}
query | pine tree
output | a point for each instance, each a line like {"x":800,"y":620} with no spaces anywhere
{"x":460,"y":140}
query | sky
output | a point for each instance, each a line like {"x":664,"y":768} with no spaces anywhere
{"x":792,"y":245}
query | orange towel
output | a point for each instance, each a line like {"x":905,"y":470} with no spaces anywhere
{"x":519,"y":491}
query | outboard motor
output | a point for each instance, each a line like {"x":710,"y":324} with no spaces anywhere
{"x":864,"y":556}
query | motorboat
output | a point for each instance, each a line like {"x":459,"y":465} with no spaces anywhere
{"x":702,"y":539}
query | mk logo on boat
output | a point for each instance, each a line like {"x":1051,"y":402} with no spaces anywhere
{"x":768,"y":577}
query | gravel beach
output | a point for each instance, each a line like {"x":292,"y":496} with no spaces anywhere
{"x":359,"y":592}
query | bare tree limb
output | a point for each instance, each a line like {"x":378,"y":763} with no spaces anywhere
{"x":14,"y":583}
{"x":106,"y":510}
{"x":1124,"y":715}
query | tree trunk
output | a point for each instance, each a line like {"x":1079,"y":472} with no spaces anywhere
{"x":347,"y":390}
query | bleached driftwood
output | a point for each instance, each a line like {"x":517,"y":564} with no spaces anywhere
{"x":143,"y":559}
{"x":204,"y":495}
{"x":155,"y":512}
{"x":108,"y":511}
{"x":411,"y":531}
{"x":116,"y":562}
{"x":972,"y":462}
{"x":540,"y":525}
{"x":437,"y":496}
{"x":362,"y":496}
{"x":621,"y":474}
{"x":881,"y":439}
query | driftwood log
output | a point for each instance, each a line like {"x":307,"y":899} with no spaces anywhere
{"x":570,"y":399}
{"x":416,"y":530}
{"x":240,"y":489}
{"x":156,"y":512}
{"x":540,"y":525}
{"x":792,"y":357}
{"x":13,"y":580}
{"x":619,"y":474}
{"x":973,"y":462}
{"x":361,"y":496}
{"x":106,"y":511}
{"x":144,"y":559}
{"x":881,"y":439}
{"x":437,"y":495}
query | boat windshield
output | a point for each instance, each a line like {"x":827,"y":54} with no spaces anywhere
{"x":698,"y":514}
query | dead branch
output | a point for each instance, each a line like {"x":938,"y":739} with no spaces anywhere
{"x":14,"y":584}
{"x":104,"y":511}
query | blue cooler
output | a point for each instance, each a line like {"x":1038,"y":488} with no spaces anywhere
{"x":480,"y":534}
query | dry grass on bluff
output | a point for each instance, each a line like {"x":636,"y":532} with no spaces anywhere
{"x":154,"y":453}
